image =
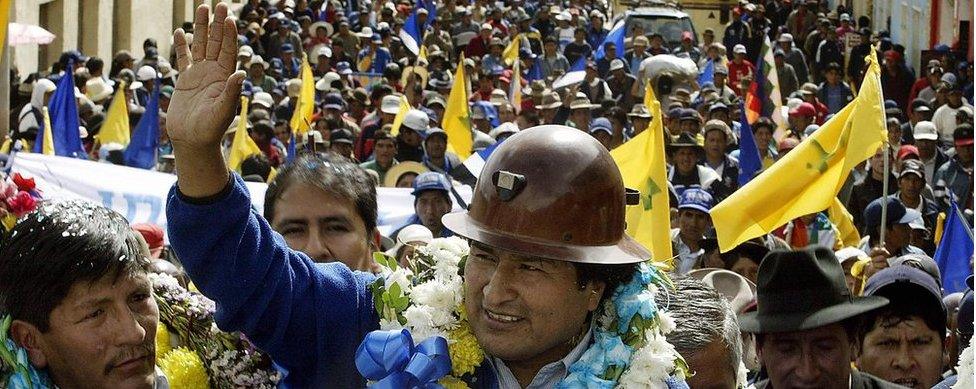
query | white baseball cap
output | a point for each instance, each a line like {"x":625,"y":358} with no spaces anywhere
{"x":263,"y":99}
{"x":146,"y":73}
{"x":739,"y":49}
{"x":416,"y":120}
{"x":925,"y":130}
{"x":616,"y":64}
{"x":390,"y":104}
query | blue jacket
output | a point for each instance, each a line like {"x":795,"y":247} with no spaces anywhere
{"x":308,"y":317}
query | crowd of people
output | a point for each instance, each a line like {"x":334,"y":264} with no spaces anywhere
{"x":803,"y":305}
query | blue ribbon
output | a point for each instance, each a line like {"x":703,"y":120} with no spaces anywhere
{"x":391,"y":359}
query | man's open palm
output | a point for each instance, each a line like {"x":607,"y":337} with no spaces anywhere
{"x":208,"y":89}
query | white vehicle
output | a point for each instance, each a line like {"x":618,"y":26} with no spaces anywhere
{"x":655,"y":16}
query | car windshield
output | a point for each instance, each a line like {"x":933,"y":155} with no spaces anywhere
{"x":669,"y":28}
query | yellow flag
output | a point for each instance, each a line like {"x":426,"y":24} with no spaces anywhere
{"x":457,"y":117}
{"x":511,"y":52}
{"x":642,"y":166}
{"x":116,"y":127}
{"x":47,"y":147}
{"x":939,"y":227}
{"x":242,"y":146}
{"x":423,"y":53}
{"x":808,"y":178}
{"x":402,"y":113}
{"x":844,"y":222}
{"x":301,"y":119}
{"x":4,"y":22}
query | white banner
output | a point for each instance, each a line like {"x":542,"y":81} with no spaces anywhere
{"x":140,"y":195}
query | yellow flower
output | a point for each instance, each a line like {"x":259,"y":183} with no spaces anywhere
{"x":465,"y":352}
{"x":162,"y":340}
{"x":452,"y":383}
{"x":184,"y":369}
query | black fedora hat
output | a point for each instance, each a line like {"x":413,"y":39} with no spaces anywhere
{"x":801,"y":290}
{"x":685,"y":140}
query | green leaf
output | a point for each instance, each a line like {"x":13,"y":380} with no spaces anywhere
{"x":401,"y":303}
{"x":385,"y":260}
{"x":395,"y":290}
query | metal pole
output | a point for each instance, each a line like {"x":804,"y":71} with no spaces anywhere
{"x":884,"y":195}
{"x":5,"y":90}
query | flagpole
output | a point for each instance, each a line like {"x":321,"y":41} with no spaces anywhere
{"x":884,"y":195}
{"x":5,"y":88}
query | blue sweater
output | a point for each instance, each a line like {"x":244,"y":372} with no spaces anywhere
{"x":308,"y":317}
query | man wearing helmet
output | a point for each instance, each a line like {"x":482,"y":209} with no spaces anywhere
{"x":546,"y":227}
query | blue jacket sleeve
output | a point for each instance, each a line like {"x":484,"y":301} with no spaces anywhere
{"x":308,"y":317}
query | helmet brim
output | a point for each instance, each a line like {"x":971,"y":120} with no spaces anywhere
{"x":626,"y":251}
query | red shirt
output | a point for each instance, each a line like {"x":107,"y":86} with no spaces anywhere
{"x":738,"y":71}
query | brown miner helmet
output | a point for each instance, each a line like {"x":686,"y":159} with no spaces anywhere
{"x":552,"y":192}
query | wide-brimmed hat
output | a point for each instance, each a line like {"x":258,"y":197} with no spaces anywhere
{"x":550,"y":101}
{"x":393,"y":175}
{"x":582,"y":102}
{"x":257,"y":60}
{"x":736,"y":289}
{"x":315,"y":26}
{"x":685,"y":140}
{"x":802,"y":290}
{"x":639,"y":111}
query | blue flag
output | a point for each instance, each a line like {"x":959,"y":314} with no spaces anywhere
{"x":144,"y":146}
{"x":749,"y":161}
{"x":291,"y":148}
{"x":579,"y":66}
{"x":535,"y":72}
{"x":616,"y":36}
{"x":707,"y":74}
{"x":954,"y":252}
{"x":65,"y":130}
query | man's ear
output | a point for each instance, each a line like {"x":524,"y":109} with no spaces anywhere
{"x":28,"y":336}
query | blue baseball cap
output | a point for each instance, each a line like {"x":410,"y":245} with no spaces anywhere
{"x":334,"y":101}
{"x":908,"y":286}
{"x":601,"y":124}
{"x":697,"y":199}
{"x":343,"y":68}
{"x":287,"y":48}
{"x":897,"y":213}
{"x":430,"y":181}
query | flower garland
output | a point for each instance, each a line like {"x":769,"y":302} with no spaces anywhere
{"x":205,"y":357}
{"x":18,"y":196}
{"x":629,"y":348}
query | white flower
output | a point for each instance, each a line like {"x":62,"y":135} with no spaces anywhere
{"x":741,"y":378}
{"x":442,"y":296}
{"x":651,"y":365}
{"x":965,"y":368}
{"x":387,"y":325}
{"x":608,"y":315}
{"x":667,"y":322}
{"x":400,"y":277}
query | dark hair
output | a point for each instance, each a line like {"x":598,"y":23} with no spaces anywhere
{"x":611,"y":275}
{"x":763,"y":122}
{"x":55,"y":247}
{"x":256,"y":165}
{"x":383,"y":135}
{"x":95,"y":64}
{"x":331,"y":173}
{"x":904,"y":302}
{"x":264,"y":128}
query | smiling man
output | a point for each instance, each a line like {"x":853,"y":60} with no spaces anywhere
{"x":74,"y":279}
{"x":546,"y":249}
